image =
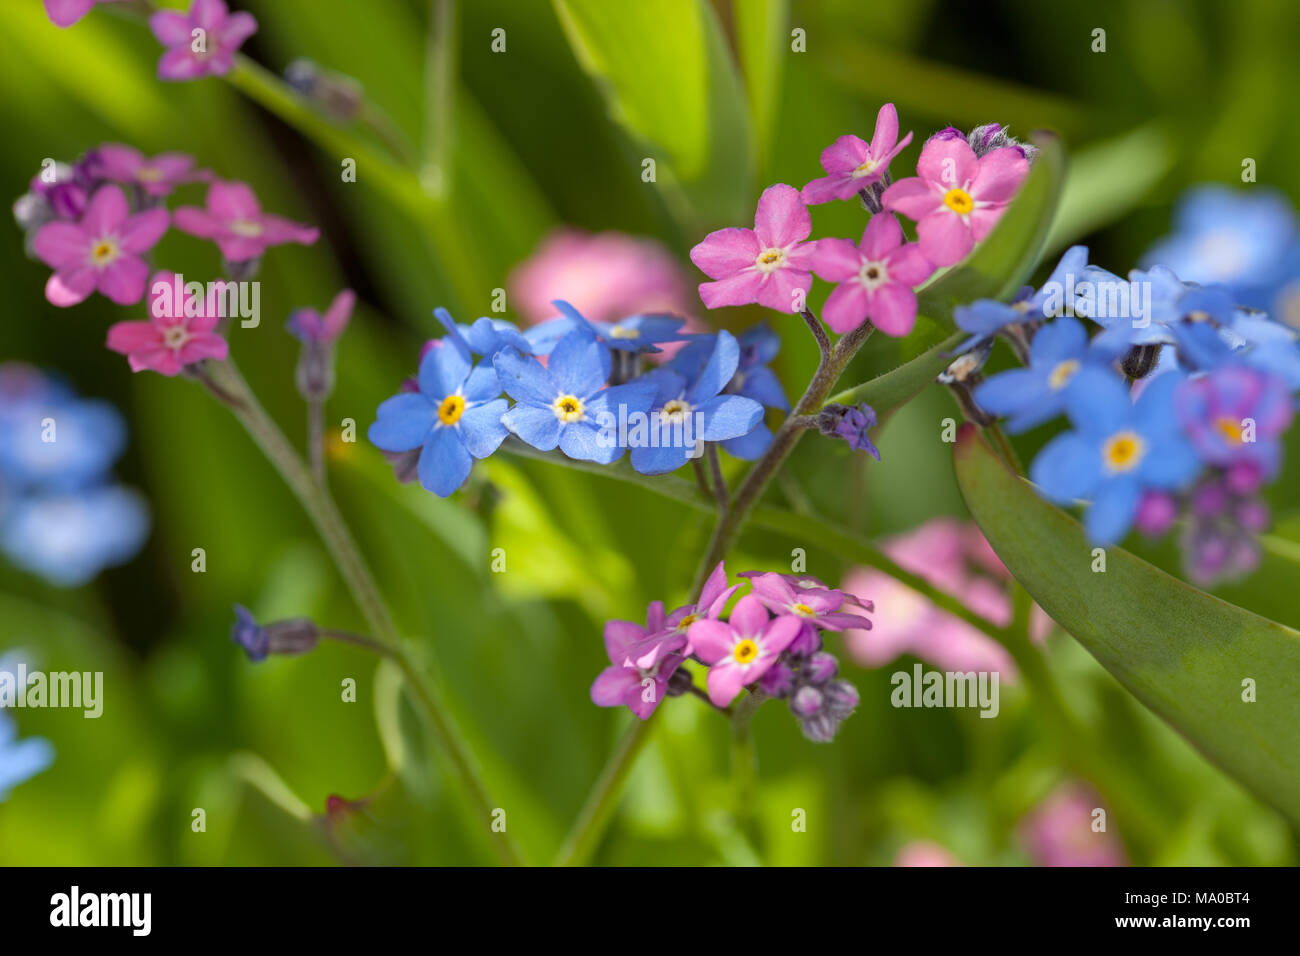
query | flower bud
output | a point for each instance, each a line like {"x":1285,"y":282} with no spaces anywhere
{"x":850,"y":424}
{"x":806,"y":702}
{"x":291,"y":636}
{"x":841,"y":698}
{"x":821,"y":667}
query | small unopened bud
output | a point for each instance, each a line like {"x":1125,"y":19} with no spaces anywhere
{"x":336,"y":93}
{"x":821,"y":667}
{"x":991,"y":136}
{"x":778,"y":680}
{"x":291,"y":636}
{"x":680,"y":682}
{"x":806,"y":702}
{"x":850,"y":424}
{"x":841,"y":698}
{"x":1140,"y":360}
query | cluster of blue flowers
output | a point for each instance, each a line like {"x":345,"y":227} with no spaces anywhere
{"x":593,"y":397}
{"x":62,"y":516}
{"x":1179,"y":402}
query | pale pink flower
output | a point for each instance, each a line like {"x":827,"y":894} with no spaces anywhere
{"x":924,"y":853}
{"x":179,"y":331}
{"x":852,"y":164}
{"x":1059,"y":832}
{"x":743,"y":648}
{"x":210,"y":21}
{"x":157,"y":176}
{"x":64,"y":13}
{"x":234,"y":220}
{"x":876,"y":278}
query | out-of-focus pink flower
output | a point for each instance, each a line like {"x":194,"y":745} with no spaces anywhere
{"x":924,"y":853}
{"x":1059,"y":832}
{"x":956,"y":198}
{"x":954,"y":557}
{"x":606,"y":276}
{"x":222,"y":34}
{"x":100,"y":252}
{"x":157,"y":176}
{"x":308,"y":325}
{"x":234,"y":220}
{"x":172,"y":338}
{"x":64,"y":13}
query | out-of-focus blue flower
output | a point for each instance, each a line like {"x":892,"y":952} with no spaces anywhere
{"x":1035,"y":394}
{"x":686,"y":412}
{"x":1118,"y":450}
{"x":454,"y":418}
{"x":1245,"y":239}
{"x":68,"y":537}
{"x":20,"y":760}
{"x":567,"y":403}
{"x":984,"y":318}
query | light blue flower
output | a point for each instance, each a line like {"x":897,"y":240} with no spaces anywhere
{"x":454,"y":418}
{"x":68,"y":537}
{"x":636,"y":333}
{"x":20,"y":760}
{"x":986,"y":317}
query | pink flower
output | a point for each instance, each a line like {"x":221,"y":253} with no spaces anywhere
{"x":606,"y":277}
{"x":713,"y":599}
{"x":178,"y":332}
{"x":956,"y":199}
{"x":64,"y":13}
{"x":766,"y":264}
{"x":101,"y":251}
{"x":924,"y":853}
{"x":741,"y":650}
{"x":222,"y":33}
{"x":852,"y":164}
{"x":876,"y":278}
{"x":1059,"y":832}
{"x":308,"y":325}
{"x":157,"y":176}
{"x":234,"y":220}
{"x":641,"y":662}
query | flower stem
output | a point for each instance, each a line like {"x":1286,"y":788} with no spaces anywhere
{"x":787,"y":436}
{"x":744,"y":762}
{"x":225,"y":381}
{"x":316,"y":438}
{"x":587,"y":829}
{"x":719,"y":483}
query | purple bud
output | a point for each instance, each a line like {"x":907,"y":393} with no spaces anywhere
{"x":778,"y":680}
{"x":841,"y":698}
{"x":947,"y":133}
{"x":1245,"y":478}
{"x":1156,"y":513}
{"x":820,"y":728}
{"x":821,"y":667}
{"x":1209,"y":500}
{"x":851,"y":424}
{"x":290,"y":636}
{"x":1253,"y":515}
{"x":807,"y":641}
{"x":806,"y":702}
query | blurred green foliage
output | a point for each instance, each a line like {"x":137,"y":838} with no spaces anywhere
{"x":1182,"y":94}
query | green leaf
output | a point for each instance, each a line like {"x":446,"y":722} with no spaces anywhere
{"x":671,"y":83}
{"x":761,"y":35}
{"x":995,"y":270}
{"x":1183,"y":653}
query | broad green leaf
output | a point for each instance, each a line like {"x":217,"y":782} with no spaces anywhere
{"x":1183,"y":653}
{"x":670,"y":82}
{"x":761,"y":37}
{"x":996,"y":269}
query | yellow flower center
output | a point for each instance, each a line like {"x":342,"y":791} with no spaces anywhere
{"x":1123,"y":451}
{"x":452,"y":407}
{"x":769,"y":260}
{"x":149,"y":174}
{"x":687,"y":621}
{"x":1062,"y":374}
{"x":247,"y":228}
{"x":104,"y":252}
{"x":1230,"y":430}
{"x":803,"y":610}
{"x":676,"y":410}
{"x":959,"y":201}
{"x":745,"y":651}
{"x":569,"y":408}
{"x":866,"y":169}
{"x":622,"y":332}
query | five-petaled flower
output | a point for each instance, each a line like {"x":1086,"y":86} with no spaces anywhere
{"x":742,"y":649}
{"x":853,"y":164}
{"x":876,"y":278}
{"x":179,"y":331}
{"x":100,"y":252}
{"x":769,"y":264}
{"x":202,"y":42}
{"x":956,"y":199}
{"x":234,"y":220}
{"x":641,"y":662}
{"x":454,"y":418}
{"x":156,"y":176}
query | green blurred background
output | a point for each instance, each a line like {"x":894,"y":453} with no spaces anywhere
{"x":1182,"y":94}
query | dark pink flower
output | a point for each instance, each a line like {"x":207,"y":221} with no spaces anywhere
{"x":222,"y":33}
{"x":101,"y":251}
{"x":234,"y":220}
{"x":308,"y":325}
{"x":64,"y":13}
{"x":876,"y":278}
{"x":179,"y":331}
{"x":743,"y":649}
{"x":769,"y":264}
{"x":157,"y":176}
{"x":641,"y":662}
{"x":956,"y":198}
{"x":713,"y":600}
{"x":852,"y":164}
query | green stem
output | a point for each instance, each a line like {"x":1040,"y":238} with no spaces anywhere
{"x":590,"y":824}
{"x":224,"y":380}
{"x":787,"y":436}
{"x":744,"y":763}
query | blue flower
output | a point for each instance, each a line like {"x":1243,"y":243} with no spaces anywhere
{"x":566,"y":403}
{"x":454,"y":418}
{"x":1032,"y":395}
{"x":250,"y":635}
{"x":686,"y":412}
{"x":20,"y":760}
{"x":986,"y":317}
{"x":636,"y":333}
{"x":68,"y":537}
{"x":1118,"y":450}
{"x":486,"y":336}
{"x":51,"y":438}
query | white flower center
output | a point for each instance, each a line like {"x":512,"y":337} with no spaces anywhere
{"x":104,"y":252}
{"x":769,"y":260}
{"x":246,"y":228}
{"x":866,"y":169}
{"x":676,"y":410}
{"x":175,"y":336}
{"x":873,"y":275}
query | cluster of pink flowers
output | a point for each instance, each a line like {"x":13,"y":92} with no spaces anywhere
{"x":200,"y":42}
{"x":95,"y":223}
{"x":770,"y":643}
{"x":960,"y":191}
